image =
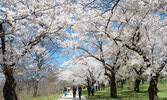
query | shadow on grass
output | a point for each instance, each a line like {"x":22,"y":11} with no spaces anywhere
{"x":99,"y":97}
{"x":161,"y":98}
{"x":132,"y":94}
{"x":127,"y":94}
{"x":121,"y":95}
{"x":102,"y":96}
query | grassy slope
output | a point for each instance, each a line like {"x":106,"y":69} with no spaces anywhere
{"x":126,"y":94}
{"x":52,"y":97}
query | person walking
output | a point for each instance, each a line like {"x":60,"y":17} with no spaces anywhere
{"x":89,"y":90}
{"x":92,"y":90}
{"x":65,"y":91}
{"x":84,"y":88}
{"x":101,"y":86}
{"x":74,"y":92}
{"x":79,"y":92}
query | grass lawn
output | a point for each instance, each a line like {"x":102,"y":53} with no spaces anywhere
{"x":52,"y":97}
{"x":126,"y":94}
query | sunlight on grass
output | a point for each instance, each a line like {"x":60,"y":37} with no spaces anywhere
{"x":52,"y":97}
{"x":126,"y":94}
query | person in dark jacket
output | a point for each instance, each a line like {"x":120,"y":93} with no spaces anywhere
{"x":96,"y":87}
{"x":89,"y":90}
{"x":74,"y":92}
{"x":79,"y":92}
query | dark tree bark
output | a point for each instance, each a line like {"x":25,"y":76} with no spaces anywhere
{"x":89,"y":90}
{"x":113,"y":89}
{"x":153,"y":88}
{"x":88,"y":87}
{"x":10,"y":84}
{"x":137,"y":83}
{"x":122,"y":83}
{"x":142,"y":81}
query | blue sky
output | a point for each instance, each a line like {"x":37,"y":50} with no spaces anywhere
{"x":61,"y":59}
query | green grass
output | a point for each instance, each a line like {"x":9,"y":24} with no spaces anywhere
{"x":126,"y":94}
{"x":52,"y":97}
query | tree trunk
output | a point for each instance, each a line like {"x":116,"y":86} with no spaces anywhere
{"x":89,"y":90}
{"x":137,"y":83}
{"x":9,"y":86}
{"x":122,"y":83}
{"x":130,"y":84}
{"x":35,"y":89}
{"x":88,"y":87}
{"x":142,"y":81}
{"x":153,"y":88}
{"x":113,"y":89}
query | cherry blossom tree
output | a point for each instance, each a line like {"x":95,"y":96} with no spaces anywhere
{"x":124,"y":24}
{"x":90,"y":37}
{"x":23,"y":24}
{"x":135,"y":67}
{"x":38,"y":66}
{"x":85,"y":71}
{"x":35,"y":67}
{"x":100,"y":29}
{"x":143,"y":31}
{"x":89,"y":67}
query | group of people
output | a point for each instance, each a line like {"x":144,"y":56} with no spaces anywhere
{"x":74,"y":91}
{"x":91,"y":90}
{"x":100,"y":87}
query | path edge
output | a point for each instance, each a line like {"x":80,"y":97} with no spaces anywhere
{"x":60,"y":97}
